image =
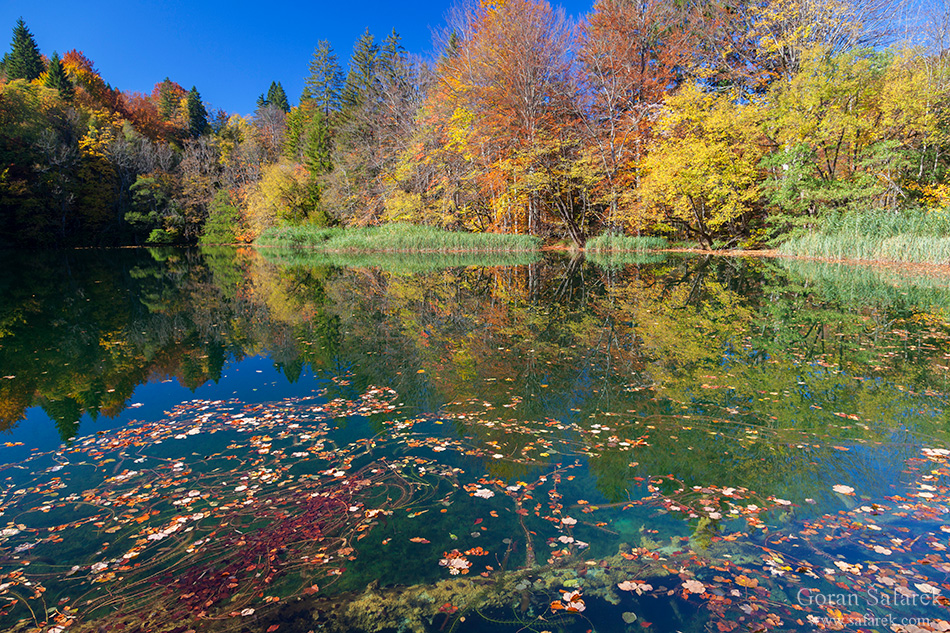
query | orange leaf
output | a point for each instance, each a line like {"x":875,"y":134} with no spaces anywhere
{"x":744,"y":581}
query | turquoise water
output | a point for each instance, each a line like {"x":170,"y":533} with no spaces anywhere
{"x":218,"y":441}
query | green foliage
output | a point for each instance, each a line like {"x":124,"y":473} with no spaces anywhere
{"x":155,"y":216}
{"x":399,"y":263}
{"x":616,"y":260}
{"x":318,"y":151}
{"x":826,"y":121}
{"x":223,"y":223}
{"x":56,"y":78}
{"x":277,"y":97}
{"x":362,"y":73}
{"x":197,"y":115}
{"x":40,"y":181}
{"x":23,"y":61}
{"x":324,"y":86}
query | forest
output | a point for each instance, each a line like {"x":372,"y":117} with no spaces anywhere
{"x":730,"y":123}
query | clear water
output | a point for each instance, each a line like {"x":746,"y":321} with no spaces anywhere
{"x":227,"y":440}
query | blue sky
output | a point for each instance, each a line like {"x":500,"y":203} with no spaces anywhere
{"x":230,"y":51}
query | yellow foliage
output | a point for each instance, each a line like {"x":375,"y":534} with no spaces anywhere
{"x":104,"y":128}
{"x":786,"y":29}
{"x":701,"y":171}
{"x":933,"y":196}
{"x":459,"y":132}
{"x":915,"y":89}
{"x":281,"y":195}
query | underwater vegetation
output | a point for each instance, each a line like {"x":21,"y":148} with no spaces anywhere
{"x":232,"y":516}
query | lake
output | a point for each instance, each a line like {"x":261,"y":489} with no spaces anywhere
{"x":233,"y":440}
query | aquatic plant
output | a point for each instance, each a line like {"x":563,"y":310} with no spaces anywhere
{"x":396,"y":238}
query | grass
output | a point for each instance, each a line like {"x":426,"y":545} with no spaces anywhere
{"x":607,"y":242}
{"x":396,"y":238}
{"x":399,"y":263}
{"x":911,"y":236}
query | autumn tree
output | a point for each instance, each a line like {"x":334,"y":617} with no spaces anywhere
{"x":784,"y":31}
{"x":825,"y":123}
{"x":701,"y":172}
{"x":169,"y":97}
{"x":92,"y":91}
{"x":916,"y":114}
{"x":270,"y":123}
{"x":281,"y":196}
{"x":381,"y":96}
{"x":510,"y":109}
{"x":631,"y":54}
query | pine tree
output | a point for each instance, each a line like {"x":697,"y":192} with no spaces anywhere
{"x":197,"y":115}
{"x":319,"y":147}
{"x":169,"y":98}
{"x":277,"y":97}
{"x":393,"y":64}
{"x":453,"y":46}
{"x":362,"y":74}
{"x":325,"y":83}
{"x":23,"y":61}
{"x":56,"y":78}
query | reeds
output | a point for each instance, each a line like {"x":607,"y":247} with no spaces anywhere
{"x":607,"y":242}
{"x":910,"y":236}
{"x":395,"y":238}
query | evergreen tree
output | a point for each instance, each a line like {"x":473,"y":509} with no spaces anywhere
{"x":56,"y":78}
{"x":197,"y":115}
{"x":362,"y":74}
{"x":277,"y":97}
{"x":453,"y":46}
{"x":325,"y":83}
{"x":393,"y":64}
{"x":319,"y":148}
{"x":298,"y":121}
{"x":169,"y":99}
{"x":23,"y":61}
{"x":261,"y":101}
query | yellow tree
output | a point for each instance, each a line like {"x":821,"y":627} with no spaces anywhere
{"x":826,"y":123}
{"x":914,"y":103}
{"x":700,"y":174}
{"x":280,"y":196}
{"x":783,"y":31}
